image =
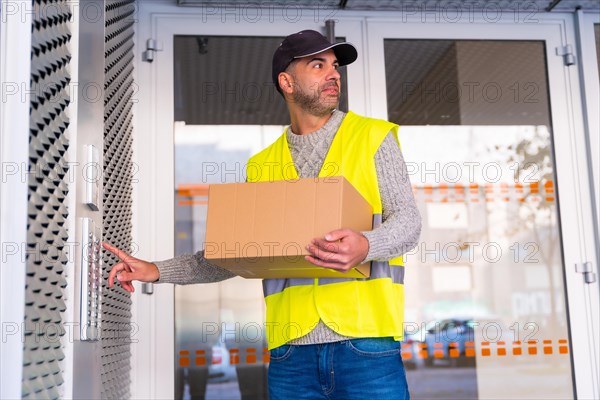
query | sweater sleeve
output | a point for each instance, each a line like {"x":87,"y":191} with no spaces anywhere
{"x":190,"y":268}
{"x":401,"y":225}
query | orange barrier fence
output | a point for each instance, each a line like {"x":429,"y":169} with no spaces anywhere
{"x":197,"y":194}
{"x":486,"y":349}
{"x":190,"y":191}
{"x":475,"y":193}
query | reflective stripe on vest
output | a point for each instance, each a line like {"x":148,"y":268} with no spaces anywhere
{"x":368,"y":307}
{"x":379,"y":269}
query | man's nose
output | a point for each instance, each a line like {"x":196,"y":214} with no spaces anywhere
{"x":333,"y":74}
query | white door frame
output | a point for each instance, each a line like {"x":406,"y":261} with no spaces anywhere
{"x":153,"y":226}
{"x":15,"y":69}
{"x":590,"y":83}
{"x":570,"y":152}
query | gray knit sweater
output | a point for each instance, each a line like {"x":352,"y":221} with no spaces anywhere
{"x":398,"y":233}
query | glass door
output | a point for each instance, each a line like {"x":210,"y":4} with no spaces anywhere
{"x":224,"y":113}
{"x":486,"y":294}
{"x":225,"y":109}
{"x":214,"y":105}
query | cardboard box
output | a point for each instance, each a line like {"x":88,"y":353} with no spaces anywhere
{"x":260,"y":230}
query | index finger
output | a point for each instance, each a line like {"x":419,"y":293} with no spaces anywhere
{"x":119,"y":253}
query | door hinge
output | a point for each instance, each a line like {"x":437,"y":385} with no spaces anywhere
{"x":585,"y":268}
{"x":152,"y":46}
{"x":567,"y":54}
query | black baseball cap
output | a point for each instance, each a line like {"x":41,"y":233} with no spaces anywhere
{"x":306,"y":43}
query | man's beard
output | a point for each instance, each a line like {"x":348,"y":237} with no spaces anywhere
{"x":310,"y":102}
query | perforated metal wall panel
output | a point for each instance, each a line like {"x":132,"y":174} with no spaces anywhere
{"x":47,"y":211}
{"x":118,"y":174}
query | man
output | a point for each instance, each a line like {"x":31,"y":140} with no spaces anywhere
{"x":344,"y":341}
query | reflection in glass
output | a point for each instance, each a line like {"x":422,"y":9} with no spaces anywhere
{"x":222,"y":321}
{"x":485,"y":293}
{"x":226,"y":109}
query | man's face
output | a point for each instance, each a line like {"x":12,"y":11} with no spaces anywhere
{"x":316,"y":83}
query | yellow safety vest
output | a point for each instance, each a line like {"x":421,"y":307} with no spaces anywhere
{"x":354,"y":307}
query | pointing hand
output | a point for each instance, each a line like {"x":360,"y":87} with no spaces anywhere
{"x":130,"y":269}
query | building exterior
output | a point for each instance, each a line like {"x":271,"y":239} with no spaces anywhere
{"x":116,"y":115}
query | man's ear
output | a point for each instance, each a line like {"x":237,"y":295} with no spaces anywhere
{"x":285,"y":82}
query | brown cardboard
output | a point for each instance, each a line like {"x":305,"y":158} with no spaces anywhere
{"x":260,"y":230}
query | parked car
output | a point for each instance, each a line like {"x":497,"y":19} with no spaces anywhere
{"x":450,"y":341}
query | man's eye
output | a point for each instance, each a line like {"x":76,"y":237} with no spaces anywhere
{"x":319,"y":65}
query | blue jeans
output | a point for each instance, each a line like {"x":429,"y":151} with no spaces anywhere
{"x":369,"y":368}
